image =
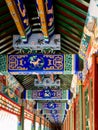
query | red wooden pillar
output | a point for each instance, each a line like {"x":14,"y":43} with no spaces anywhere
{"x":68,"y":119}
{"x":67,"y":122}
{"x":64,"y":125}
{"x":74,"y":115}
{"x":95,"y":88}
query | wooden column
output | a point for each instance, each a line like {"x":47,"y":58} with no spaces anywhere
{"x":95,"y":88}
{"x":67,"y":122}
{"x":74,"y":115}
{"x":22,"y":117}
{"x":40,"y":122}
{"x":34,"y":122}
{"x":64,"y":125}
{"x":68,"y":119}
{"x":81,"y":107}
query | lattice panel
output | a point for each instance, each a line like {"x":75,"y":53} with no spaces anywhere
{"x":9,"y":105}
{"x":28,"y":115}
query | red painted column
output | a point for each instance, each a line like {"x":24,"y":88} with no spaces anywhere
{"x":68,"y":119}
{"x":95,"y":92}
{"x":74,"y":114}
{"x":66,"y":123}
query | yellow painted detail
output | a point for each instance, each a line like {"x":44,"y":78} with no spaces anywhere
{"x":15,"y":15}
{"x":42,"y":17}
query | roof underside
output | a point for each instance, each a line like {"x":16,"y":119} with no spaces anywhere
{"x":69,"y":17}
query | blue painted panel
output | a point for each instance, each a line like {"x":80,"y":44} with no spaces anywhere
{"x":39,"y":63}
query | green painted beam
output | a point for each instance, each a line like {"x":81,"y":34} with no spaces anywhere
{"x":69,"y":28}
{"x":64,"y":52}
{"x":3,"y":8}
{"x":8,"y":30}
{"x":68,"y":48}
{"x":69,"y":34}
{"x":64,"y":33}
{"x":4,"y":16}
{"x":5,"y":24}
{"x":86,"y":3}
{"x":64,"y":49}
{"x":66,"y":2}
{"x":70,"y":21}
{"x":77,"y":48}
{"x":69,"y":38}
{"x":70,"y":13}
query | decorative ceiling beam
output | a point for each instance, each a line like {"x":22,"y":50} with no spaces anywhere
{"x":45,"y":12}
{"x":70,"y":13}
{"x":69,"y":43}
{"x":76,"y":2}
{"x":73,"y":8}
{"x":18,"y":12}
{"x":42,"y":14}
{"x":8,"y":30}
{"x":4,"y":34}
{"x":50,"y":82}
{"x":69,"y":47}
{"x":36,"y":64}
{"x":69,"y":21}
{"x":70,"y":17}
{"x":69,"y":28}
{"x":66,"y":50}
{"x":70,"y":39}
{"x":68,"y":34}
{"x":47,"y":94}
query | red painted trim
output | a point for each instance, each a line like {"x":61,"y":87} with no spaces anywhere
{"x":29,"y":118}
{"x":10,"y":99}
{"x":4,"y":109}
{"x":28,"y":111}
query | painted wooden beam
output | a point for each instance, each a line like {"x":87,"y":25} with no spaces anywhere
{"x":45,"y":12}
{"x":42,"y":14}
{"x":19,"y":15}
{"x":73,"y":8}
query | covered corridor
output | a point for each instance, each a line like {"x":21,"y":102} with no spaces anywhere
{"x":48,"y":64}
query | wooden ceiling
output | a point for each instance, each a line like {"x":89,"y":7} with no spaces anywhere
{"x":69,"y":16}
